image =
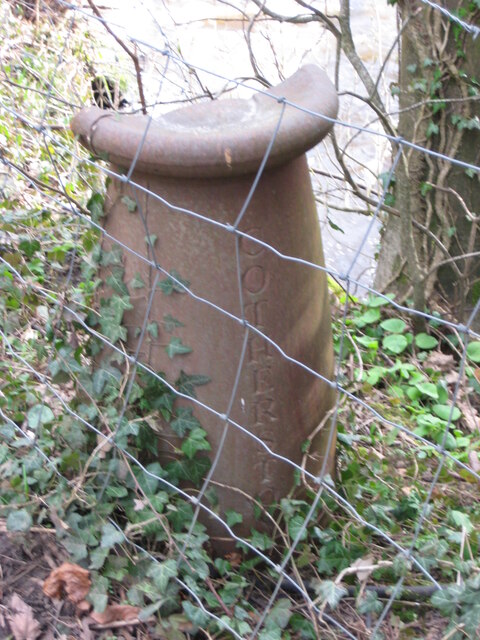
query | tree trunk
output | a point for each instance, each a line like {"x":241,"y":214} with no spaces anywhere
{"x":420,"y":257}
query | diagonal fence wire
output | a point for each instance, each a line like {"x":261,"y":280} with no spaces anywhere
{"x":467,"y":26}
{"x":408,"y":549}
{"x":432,"y":578}
{"x":194,"y":214}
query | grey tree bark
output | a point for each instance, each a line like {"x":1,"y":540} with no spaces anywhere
{"x":430,"y":252}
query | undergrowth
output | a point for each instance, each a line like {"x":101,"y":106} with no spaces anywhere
{"x":77,"y":458}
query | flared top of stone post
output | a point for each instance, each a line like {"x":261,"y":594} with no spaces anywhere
{"x":218,"y":138}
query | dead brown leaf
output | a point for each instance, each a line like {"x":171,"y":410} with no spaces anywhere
{"x":234,"y":558}
{"x":116,"y":613}
{"x":440,"y":361}
{"x":22,"y":623}
{"x":68,"y":580}
{"x":83,"y":607}
{"x":474,"y":461}
{"x":138,"y":505}
{"x":363,"y":567}
{"x":470,"y":415}
{"x":104,"y":446}
{"x":452,"y":377}
{"x":86,"y":633}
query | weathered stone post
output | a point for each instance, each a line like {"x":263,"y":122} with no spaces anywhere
{"x":204,"y":158}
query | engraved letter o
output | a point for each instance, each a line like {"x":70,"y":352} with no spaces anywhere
{"x":255,"y":279}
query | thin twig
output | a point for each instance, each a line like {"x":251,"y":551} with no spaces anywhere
{"x":128,"y":51}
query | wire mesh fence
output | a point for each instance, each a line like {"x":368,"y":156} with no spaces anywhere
{"x":385,"y":544}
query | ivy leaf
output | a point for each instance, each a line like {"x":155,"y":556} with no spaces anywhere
{"x":261,"y":540}
{"x":152,"y":329}
{"x":279,"y":615}
{"x":184,"y":421}
{"x":304,"y":627}
{"x":39,"y":414}
{"x":180,"y":515}
{"x":295,"y":525}
{"x":98,"y":557}
{"x":130,"y":204}
{"x":111,"y":536}
{"x":329,"y":592}
{"x":169,"y":285}
{"x":197,"y":564}
{"x":432,"y":129}
{"x":161,"y":573}
{"x":125,"y":429}
{"x":147,"y":612}
{"x":149,"y":481}
{"x":447,"y":599}
{"x":103,"y":376}
{"x":273,"y":633}
{"x":29,"y":247}
{"x":19,"y":520}
{"x":136,"y":282}
{"x":98,"y":594}
{"x":186,"y":383}
{"x":118,"y":305}
{"x":111,"y":317}
{"x":170,"y":323}
{"x":195,"y":614}
{"x":461,"y":520}
{"x":95,"y":206}
{"x":64,"y":365}
{"x":176,"y":347}
{"x":76,"y":548}
{"x":401,"y":565}
{"x":150,"y":240}
{"x":112,"y":257}
{"x":115,"y":281}
{"x":370,"y":603}
{"x":390,"y":200}
{"x":233,"y":517}
{"x":196,"y":441}
{"x":424,"y":189}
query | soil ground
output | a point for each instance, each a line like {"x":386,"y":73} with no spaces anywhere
{"x":26,"y":613}
{"x":25,"y":561}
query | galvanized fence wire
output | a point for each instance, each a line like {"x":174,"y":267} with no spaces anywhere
{"x":324,"y":484}
{"x":467,"y":26}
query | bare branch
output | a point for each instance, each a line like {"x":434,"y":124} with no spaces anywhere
{"x":322,"y":16}
{"x":345,"y":42}
{"x":129,"y":52}
{"x":348,"y":47}
{"x":253,"y":60}
{"x":300,"y":19}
